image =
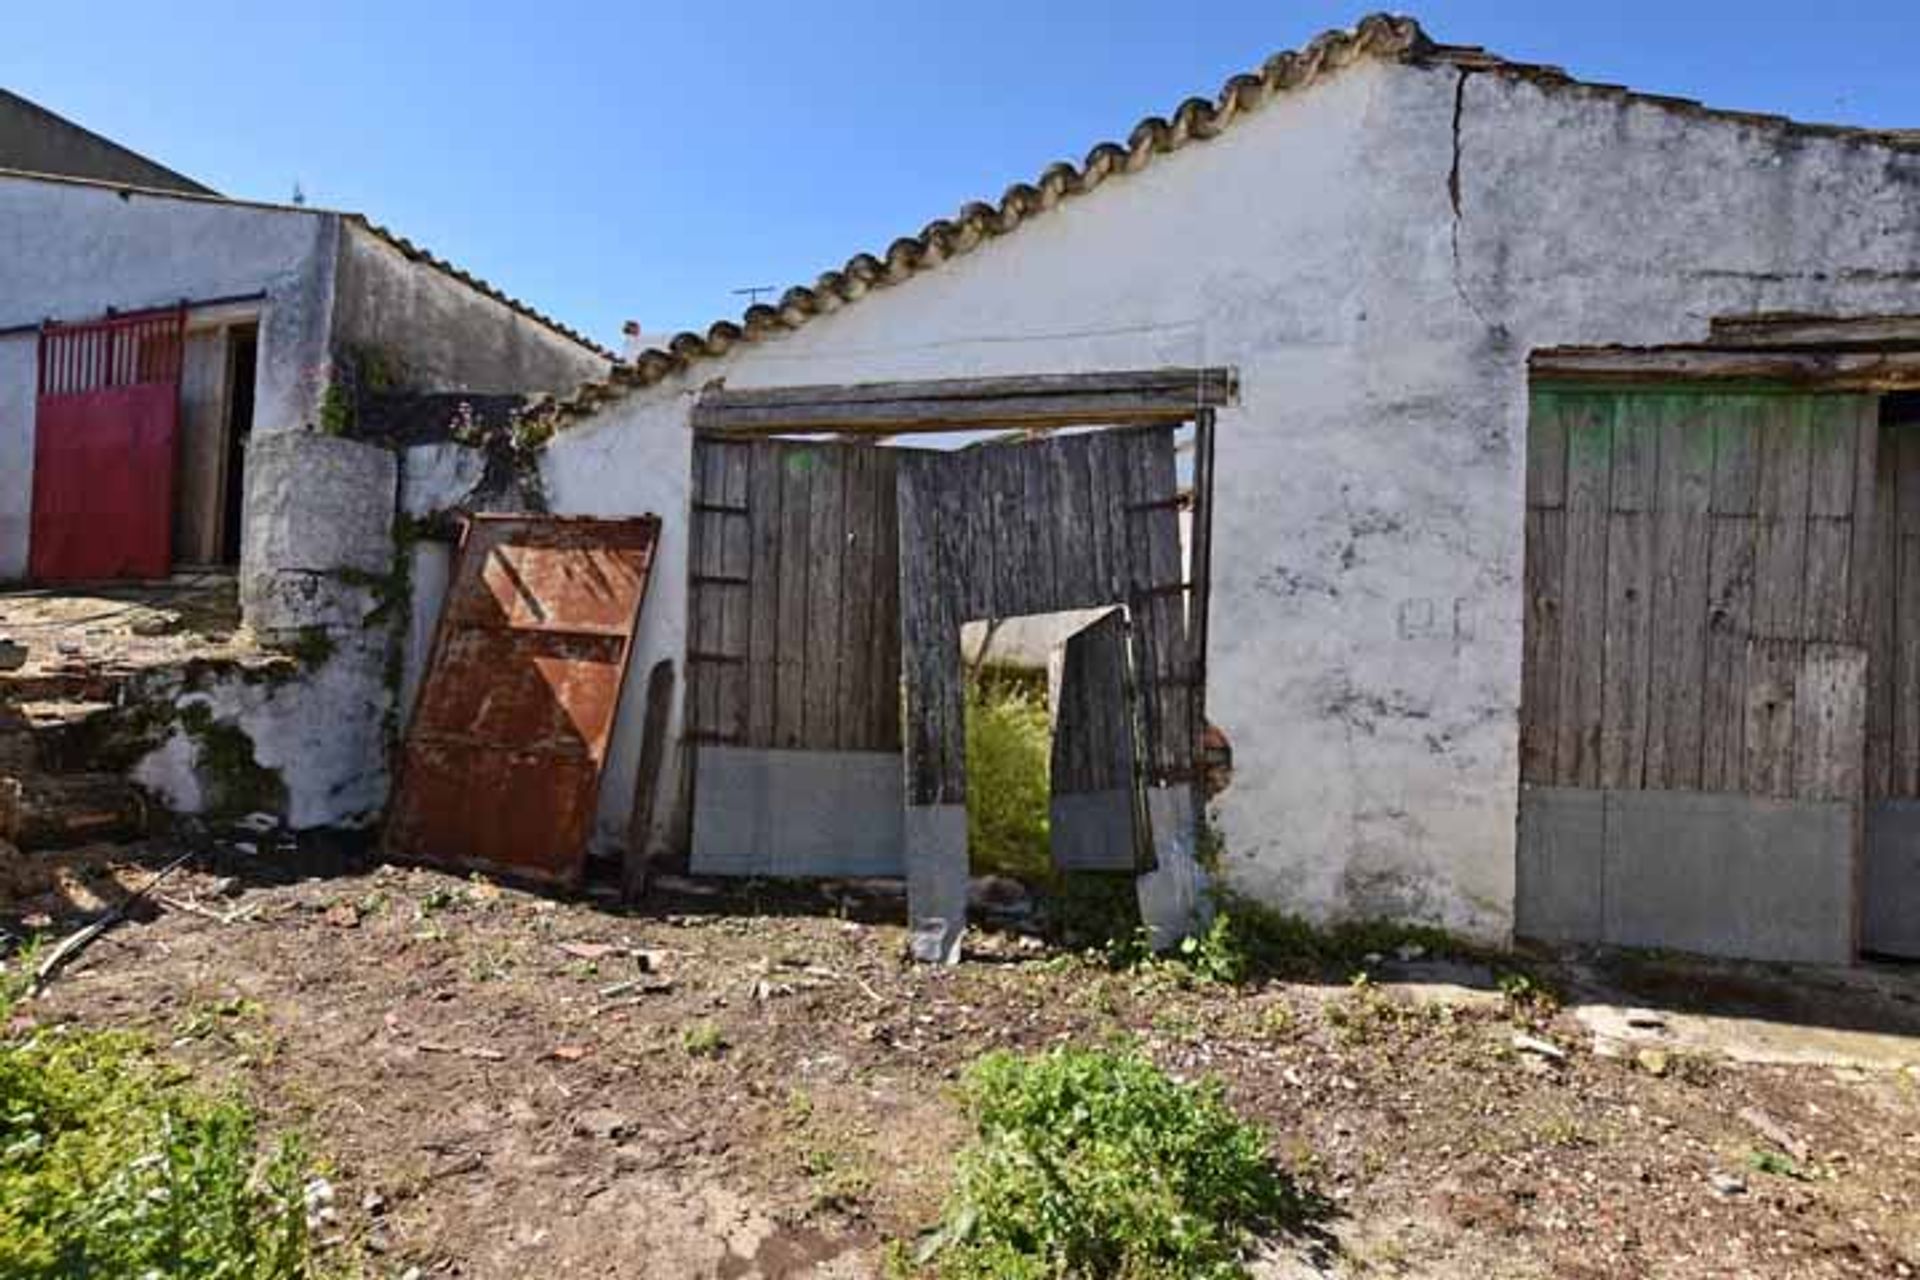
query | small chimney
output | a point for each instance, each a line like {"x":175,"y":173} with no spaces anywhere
{"x":631,"y":344}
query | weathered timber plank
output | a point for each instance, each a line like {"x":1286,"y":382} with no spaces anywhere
{"x":1729,"y":623}
{"x":1866,"y":588}
{"x":1780,"y":548}
{"x":704,"y":612}
{"x":1773,"y":666}
{"x":904,"y":417}
{"x":1038,"y":511}
{"x":1161,"y":484}
{"x":1589,"y":426}
{"x":1825,"y":607}
{"x":1546,"y":551}
{"x":763,"y":645}
{"x":1833,"y":444}
{"x":736,"y":560}
{"x":1203,"y":386}
{"x":1627,"y":653}
{"x":1546,"y":453}
{"x":1636,"y":453}
{"x":884,"y":708}
{"x":796,"y":505}
{"x":1829,"y":722}
{"x":1860,"y":371}
{"x":1815,"y":332}
{"x":1681,"y":559}
{"x":858,"y":590}
{"x":825,"y":550}
{"x":1736,"y":453}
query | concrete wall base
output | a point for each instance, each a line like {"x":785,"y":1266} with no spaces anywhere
{"x":1174,"y":903}
{"x":936,"y":842}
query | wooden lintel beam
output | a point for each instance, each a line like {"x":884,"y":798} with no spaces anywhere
{"x":1025,"y":403}
{"x":1833,"y":370}
{"x":1802,"y":332}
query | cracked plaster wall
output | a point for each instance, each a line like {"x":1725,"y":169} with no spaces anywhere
{"x":1377,"y":256}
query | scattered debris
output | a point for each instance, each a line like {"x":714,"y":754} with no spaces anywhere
{"x":73,"y":944}
{"x":1654,"y":1062}
{"x":1534,"y":1044}
{"x":1726,"y":1184}
{"x":1775,"y":1132}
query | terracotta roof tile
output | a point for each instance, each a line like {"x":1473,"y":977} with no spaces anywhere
{"x":1384,"y":37}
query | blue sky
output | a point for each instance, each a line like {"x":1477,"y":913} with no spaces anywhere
{"x":643,"y":161}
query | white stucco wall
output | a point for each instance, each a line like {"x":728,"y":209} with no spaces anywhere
{"x":1366,"y":630}
{"x":69,"y":251}
{"x":437,"y":333}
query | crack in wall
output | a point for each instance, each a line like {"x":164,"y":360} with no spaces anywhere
{"x":1455,"y":203}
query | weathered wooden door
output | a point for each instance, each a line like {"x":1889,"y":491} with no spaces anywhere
{"x":793,"y":658}
{"x":105,"y":433}
{"x":501,"y":769}
{"x":1699,"y":581}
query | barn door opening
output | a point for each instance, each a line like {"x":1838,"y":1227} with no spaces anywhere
{"x":216,"y":419}
{"x":105,"y":440}
{"x":1699,"y":581}
{"x":1890,"y":887}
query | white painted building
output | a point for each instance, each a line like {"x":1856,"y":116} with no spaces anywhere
{"x":1375,"y":233}
{"x":283,"y":308}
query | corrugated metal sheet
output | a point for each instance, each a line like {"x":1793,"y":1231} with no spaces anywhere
{"x":501,"y":769}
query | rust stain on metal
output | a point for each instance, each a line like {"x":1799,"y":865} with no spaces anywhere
{"x":501,"y":768}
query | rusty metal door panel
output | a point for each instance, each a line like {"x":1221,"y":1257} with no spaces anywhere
{"x":501,"y":769}
{"x":105,"y":435}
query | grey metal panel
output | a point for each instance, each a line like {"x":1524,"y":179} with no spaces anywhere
{"x":1558,"y":888}
{"x":1891,"y":885}
{"x":1730,"y":875}
{"x":1093,"y":831}
{"x":763,"y":812}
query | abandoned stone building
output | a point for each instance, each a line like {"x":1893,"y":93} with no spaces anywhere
{"x":1513,"y":471}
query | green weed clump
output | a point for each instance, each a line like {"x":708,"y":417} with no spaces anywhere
{"x":1009,"y":792}
{"x":1095,"y":1165}
{"x":109,"y":1167}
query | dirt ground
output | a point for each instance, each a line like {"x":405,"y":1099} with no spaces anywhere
{"x":755,"y":1085}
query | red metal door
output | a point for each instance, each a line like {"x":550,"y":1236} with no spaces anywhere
{"x":104,"y":440}
{"x":501,"y":769}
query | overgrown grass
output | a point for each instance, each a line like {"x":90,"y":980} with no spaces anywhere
{"x":1093,"y":1164}
{"x":111,"y":1166}
{"x":1009,"y":760}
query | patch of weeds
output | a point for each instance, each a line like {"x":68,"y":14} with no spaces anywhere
{"x":1277,"y":1021}
{"x":436,"y":900}
{"x":1364,"y":1012}
{"x":838,"y":1182}
{"x":110,"y":1167}
{"x":1564,"y":1131}
{"x":204,"y":1020}
{"x":703,"y":1040}
{"x":799,"y":1108}
{"x":1009,"y":755}
{"x":1530,"y":1000}
{"x":1094,"y":1163}
{"x":1778,"y":1165}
